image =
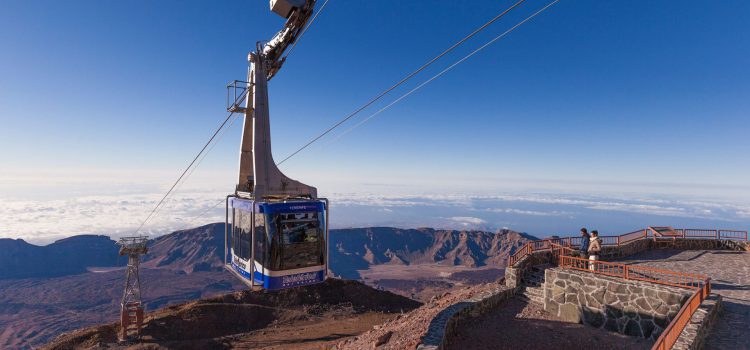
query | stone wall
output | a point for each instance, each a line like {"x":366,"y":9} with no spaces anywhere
{"x":699,"y":244}
{"x":695,"y":333}
{"x":628,"y":307}
{"x":514,"y":274}
{"x":630,"y":248}
{"x":479,"y":308}
{"x":443,"y":328}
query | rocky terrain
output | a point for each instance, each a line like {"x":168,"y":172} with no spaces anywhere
{"x":358,"y":249}
{"x":78,"y":281}
{"x":266,"y":320}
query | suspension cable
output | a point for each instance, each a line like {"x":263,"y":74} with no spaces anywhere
{"x":406,"y":78}
{"x":445,"y":70}
{"x":376,"y":98}
{"x":242,"y":97}
{"x":187,"y":226}
{"x":198,"y":163}
{"x":221,"y":126}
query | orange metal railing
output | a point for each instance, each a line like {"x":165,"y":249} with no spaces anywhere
{"x":634,"y":272}
{"x":521,"y":253}
{"x":701,"y":284}
{"x":562,"y":251}
{"x":733,"y":235}
{"x":700,"y":233}
{"x":669,"y":337}
{"x":546,"y":244}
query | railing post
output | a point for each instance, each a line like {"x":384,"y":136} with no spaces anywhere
{"x":627,"y":273}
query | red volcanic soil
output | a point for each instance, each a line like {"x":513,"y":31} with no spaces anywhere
{"x":304,"y":317}
{"x":34,"y":310}
{"x":36,"y":306}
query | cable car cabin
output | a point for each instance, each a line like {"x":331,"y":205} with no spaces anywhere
{"x":280,"y":244}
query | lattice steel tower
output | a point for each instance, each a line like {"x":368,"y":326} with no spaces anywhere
{"x":131,"y":309}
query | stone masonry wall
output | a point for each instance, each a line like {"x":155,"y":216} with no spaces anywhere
{"x":514,"y":274}
{"x":699,"y":244}
{"x":628,"y":307}
{"x":695,"y":333}
{"x":634,"y":247}
{"x":480,"y":307}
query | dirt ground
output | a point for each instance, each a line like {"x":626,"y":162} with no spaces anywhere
{"x":319,"y":334}
{"x":407,"y":331}
{"x":309,"y":317}
{"x":517,"y":325}
{"x":424,"y":281}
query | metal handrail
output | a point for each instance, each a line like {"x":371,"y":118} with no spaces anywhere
{"x":701,"y":284}
{"x":634,"y":272}
{"x":669,"y":336}
{"x":546,"y":244}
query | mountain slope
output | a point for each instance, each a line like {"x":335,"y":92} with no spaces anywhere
{"x":358,"y":248}
{"x":186,"y":265}
{"x":201,"y":249}
{"x":68,"y":256}
{"x":285,"y":319}
{"x":197,"y":249}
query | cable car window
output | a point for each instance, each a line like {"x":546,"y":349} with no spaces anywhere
{"x":301,"y":236}
{"x":242,"y":232}
{"x":261,"y":248}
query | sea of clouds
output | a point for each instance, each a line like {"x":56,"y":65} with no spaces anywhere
{"x":43,"y":220}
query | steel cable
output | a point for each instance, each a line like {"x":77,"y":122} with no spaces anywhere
{"x":406,"y":78}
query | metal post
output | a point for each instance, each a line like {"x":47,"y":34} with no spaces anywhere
{"x":252,"y":249}
{"x":327,"y":242}
{"x":226,"y":230}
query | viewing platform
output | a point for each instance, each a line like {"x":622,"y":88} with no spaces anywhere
{"x":663,"y":284}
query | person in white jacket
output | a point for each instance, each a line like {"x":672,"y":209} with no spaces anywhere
{"x":595,"y":246}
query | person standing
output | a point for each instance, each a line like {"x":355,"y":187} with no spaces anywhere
{"x":595,"y":246}
{"x":584,"y":243}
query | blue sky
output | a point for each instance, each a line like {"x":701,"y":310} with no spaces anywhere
{"x":590,"y":98}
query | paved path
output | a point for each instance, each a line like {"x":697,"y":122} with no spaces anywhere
{"x":730,"y":277}
{"x":517,"y":324}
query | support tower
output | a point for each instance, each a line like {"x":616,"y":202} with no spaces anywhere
{"x":131,"y":309}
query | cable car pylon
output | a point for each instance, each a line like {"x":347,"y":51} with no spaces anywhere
{"x":131,"y":308}
{"x":276,"y":233}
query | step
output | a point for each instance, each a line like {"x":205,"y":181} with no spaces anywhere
{"x":533,"y":278}
{"x":531,"y":299}
{"x":535,"y":283}
{"x":540,"y":267}
{"x":535,"y":291}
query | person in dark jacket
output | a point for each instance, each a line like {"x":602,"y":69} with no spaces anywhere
{"x":584,"y":242}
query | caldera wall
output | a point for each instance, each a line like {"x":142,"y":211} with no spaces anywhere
{"x":629,"y":307}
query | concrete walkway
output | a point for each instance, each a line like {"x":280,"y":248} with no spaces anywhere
{"x":730,"y":277}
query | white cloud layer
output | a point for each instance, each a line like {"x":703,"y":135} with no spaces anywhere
{"x":44,"y":220}
{"x":468,"y":220}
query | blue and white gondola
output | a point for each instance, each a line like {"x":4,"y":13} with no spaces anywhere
{"x":280,"y":244}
